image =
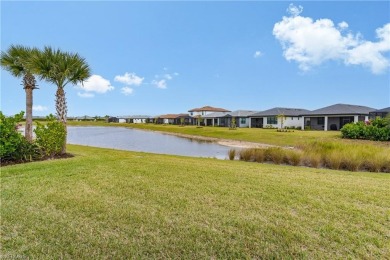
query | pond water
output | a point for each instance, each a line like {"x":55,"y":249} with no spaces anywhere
{"x":144,"y":141}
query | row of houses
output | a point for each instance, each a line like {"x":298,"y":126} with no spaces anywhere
{"x":332,"y":117}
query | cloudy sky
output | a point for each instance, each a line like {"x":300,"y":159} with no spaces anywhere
{"x":168,"y":57}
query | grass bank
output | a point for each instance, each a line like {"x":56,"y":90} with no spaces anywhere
{"x":332,"y":155}
{"x":116,"y":204}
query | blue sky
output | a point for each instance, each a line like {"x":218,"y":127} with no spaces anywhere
{"x":168,"y":57}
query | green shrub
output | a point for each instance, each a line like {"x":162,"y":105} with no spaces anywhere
{"x":13,"y":145}
{"x":50,"y":137}
{"x":376,"y":130}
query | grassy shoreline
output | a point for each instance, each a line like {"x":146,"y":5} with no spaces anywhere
{"x":106,"y":203}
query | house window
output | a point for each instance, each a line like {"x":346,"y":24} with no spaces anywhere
{"x":272,"y":120}
{"x":192,"y":113}
{"x":320,"y":120}
{"x":292,"y":118}
{"x":243,"y":120}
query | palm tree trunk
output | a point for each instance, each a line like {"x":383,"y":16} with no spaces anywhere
{"x":29,"y":85}
{"x":62,"y":112}
{"x":29,"y":104}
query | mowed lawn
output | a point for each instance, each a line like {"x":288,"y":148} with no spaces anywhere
{"x":114,"y":204}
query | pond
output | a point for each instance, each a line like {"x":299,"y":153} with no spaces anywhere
{"x":144,"y":141}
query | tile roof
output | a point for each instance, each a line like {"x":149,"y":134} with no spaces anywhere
{"x":134,"y":117}
{"x":387,"y":109}
{"x":237,"y":113}
{"x":341,"y":109}
{"x":173,"y":116}
{"x":242,"y":113}
{"x":217,"y":114}
{"x":208,"y":108}
{"x":281,"y":111}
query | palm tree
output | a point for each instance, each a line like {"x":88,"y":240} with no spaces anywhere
{"x":61,"y":68}
{"x":17,"y":60}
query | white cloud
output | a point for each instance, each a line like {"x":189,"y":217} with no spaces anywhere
{"x":160,"y":83}
{"x":168,"y":76}
{"x":85,"y":95}
{"x":127,"y":91}
{"x":129,"y":79}
{"x":39,"y":108}
{"x":96,"y":83}
{"x":257,"y":54}
{"x":343,"y":25}
{"x":369,"y":54}
{"x":294,"y":10}
{"x":310,"y":43}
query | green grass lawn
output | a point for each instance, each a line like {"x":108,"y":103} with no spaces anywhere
{"x":115,"y":204}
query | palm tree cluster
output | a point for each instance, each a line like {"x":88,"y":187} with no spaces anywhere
{"x":52,"y":65}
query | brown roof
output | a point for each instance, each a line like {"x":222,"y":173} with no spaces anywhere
{"x":173,"y":116}
{"x":208,"y":108}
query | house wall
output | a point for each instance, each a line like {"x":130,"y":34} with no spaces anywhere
{"x":239,"y":124}
{"x":256,"y":122}
{"x":201,"y":113}
{"x":333,"y":121}
{"x":139,"y":120}
{"x":289,"y":121}
{"x":122,"y":120}
{"x":168,"y":121}
{"x":314,"y":123}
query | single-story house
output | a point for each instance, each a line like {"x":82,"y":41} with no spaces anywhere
{"x":175,"y":119}
{"x":113,"y":119}
{"x":277,"y":117}
{"x":84,"y":118}
{"x":334,"y":117}
{"x":137,"y":119}
{"x":226,"y":118}
{"x":380,"y":113}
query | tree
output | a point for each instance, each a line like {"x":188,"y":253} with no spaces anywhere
{"x":282,"y":118}
{"x":61,"y":68}
{"x":233,"y":123}
{"x":17,"y":60}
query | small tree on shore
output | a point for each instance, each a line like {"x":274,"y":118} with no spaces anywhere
{"x":282,"y":118}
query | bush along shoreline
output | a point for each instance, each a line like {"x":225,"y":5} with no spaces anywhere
{"x":330,"y":155}
{"x":375,"y":130}
{"x":15,"y":148}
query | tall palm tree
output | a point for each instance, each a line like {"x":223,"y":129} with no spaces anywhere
{"x":17,"y":60}
{"x":61,"y":68}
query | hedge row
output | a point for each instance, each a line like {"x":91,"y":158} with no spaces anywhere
{"x":376,"y":130}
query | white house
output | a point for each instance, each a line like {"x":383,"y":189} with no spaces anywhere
{"x":334,"y":117}
{"x":277,"y":117}
{"x":225,"y":118}
{"x":195,"y":113}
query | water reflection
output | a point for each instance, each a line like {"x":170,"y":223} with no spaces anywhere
{"x":144,"y":141}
